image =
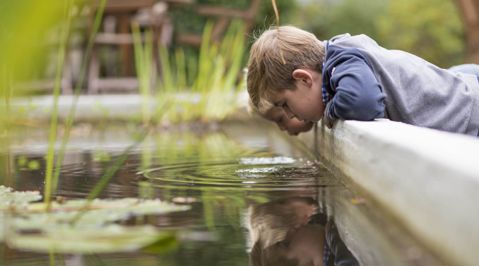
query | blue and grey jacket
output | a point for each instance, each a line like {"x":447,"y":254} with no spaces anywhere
{"x":367,"y":81}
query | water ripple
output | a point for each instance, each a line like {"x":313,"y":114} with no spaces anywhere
{"x":258,"y":173}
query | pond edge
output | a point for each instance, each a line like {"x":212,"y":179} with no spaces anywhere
{"x":426,"y":178}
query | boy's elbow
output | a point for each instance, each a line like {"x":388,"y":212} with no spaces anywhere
{"x":363,"y":110}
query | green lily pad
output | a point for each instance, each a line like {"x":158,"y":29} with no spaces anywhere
{"x":81,"y":214}
{"x":107,"y":239}
{"x":10,"y":200}
{"x":16,"y":199}
{"x":80,"y":226}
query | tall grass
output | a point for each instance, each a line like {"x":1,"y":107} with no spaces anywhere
{"x":51,"y":181}
{"x":49,"y":178}
{"x":145,"y":68}
{"x":216,"y":81}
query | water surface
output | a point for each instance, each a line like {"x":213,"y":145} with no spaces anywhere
{"x":221,"y":174}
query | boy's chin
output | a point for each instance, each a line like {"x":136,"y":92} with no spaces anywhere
{"x":305,"y":128}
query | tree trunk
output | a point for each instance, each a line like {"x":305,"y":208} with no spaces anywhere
{"x":469,"y":10}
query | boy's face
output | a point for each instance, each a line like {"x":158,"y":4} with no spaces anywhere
{"x":292,"y":125}
{"x":305,"y":102}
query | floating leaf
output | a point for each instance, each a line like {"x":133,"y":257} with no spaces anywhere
{"x":81,"y":214}
{"x":80,"y":226}
{"x":112,"y":238}
{"x":16,"y":199}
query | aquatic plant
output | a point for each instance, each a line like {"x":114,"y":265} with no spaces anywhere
{"x":97,"y":230}
{"x":51,"y":179}
{"x":213,"y":93}
{"x":144,"y":68}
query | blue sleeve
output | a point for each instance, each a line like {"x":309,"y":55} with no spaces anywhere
{"x":358,"y":95}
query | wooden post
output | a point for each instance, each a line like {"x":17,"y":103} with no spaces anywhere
{"x":469,"y":10}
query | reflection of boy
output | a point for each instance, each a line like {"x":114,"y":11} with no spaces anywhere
{"x":352,"y":77}
{"x":288,"y":232}
{"x":336,"y":253}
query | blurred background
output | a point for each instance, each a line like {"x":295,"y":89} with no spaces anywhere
{"x":444,"y":32}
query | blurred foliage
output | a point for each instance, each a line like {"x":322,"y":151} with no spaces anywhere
{"x":185,"y":19}
{"x":23,"y":27}
{"x":329,"y":18}
{"x":430,"y":29}
{"x":434,"y":31}
{"x":25,"y":33}
{"x":212,"y":75}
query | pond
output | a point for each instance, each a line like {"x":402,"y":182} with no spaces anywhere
{"x":239,"y":183}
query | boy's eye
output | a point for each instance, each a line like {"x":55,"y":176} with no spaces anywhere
{"x":280,"y":104}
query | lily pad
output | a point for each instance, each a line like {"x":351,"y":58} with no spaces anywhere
{"x":82,"y":214}
{"x":107,"y":239}
{"x":79,"y":226}
{"x":10,"y":200}
{"x":16,"y":199}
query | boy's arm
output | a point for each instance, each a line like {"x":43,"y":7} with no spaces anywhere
{"x":358,"y":95}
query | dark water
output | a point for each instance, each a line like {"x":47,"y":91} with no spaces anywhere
{"x":221,"y":174}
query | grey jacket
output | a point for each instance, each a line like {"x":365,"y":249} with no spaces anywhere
{"x":367,"y":81}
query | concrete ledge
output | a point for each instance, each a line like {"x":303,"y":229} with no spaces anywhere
{"x":89,"y":107}
{"x":101,"y":107}
{"x":427,"y":178}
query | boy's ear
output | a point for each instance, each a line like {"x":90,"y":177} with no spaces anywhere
{"x":302,"y":75}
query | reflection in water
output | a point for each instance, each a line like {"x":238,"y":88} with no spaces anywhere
{"x":218,"y":175}
{"x":291,"y":231}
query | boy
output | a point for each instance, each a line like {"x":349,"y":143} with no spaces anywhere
{"x":292,"y":125}
{"x":352,"y":77}
{"x":290,"y":231}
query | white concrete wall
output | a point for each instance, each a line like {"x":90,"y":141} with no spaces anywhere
{"x":427,"y":178}
{"x":88,"y":107}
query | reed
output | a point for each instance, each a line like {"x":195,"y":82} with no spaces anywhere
{"x":215,"y":74}
{"x":52,"y":183}
{"x":52,"y":137}
{"x":144,"y":68}
{"x":109,"y":173}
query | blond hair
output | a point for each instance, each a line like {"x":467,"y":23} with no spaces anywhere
{"x":273,"y":58}
{"x":270,"y":222}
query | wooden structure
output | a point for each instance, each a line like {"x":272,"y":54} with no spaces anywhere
{"x":223,"y":17}
{"x":115,"y":31}
{"x":154,"y":17}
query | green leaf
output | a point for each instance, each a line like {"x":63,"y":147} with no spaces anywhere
{"x":31,"y":226}
{"x":112,"y":238}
